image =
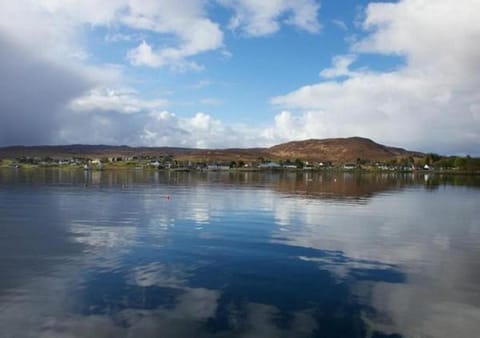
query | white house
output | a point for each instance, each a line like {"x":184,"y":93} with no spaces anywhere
{"x":270,"y":165}
{"x":349,"y":166}
{"x":216,"y":167}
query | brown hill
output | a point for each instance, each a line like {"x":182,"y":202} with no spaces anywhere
{"x":339,"y":150}
{"x":105,"y":151}
{"x":336,"y":150}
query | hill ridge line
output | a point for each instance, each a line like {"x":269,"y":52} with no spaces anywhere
{"x":330,"y":149}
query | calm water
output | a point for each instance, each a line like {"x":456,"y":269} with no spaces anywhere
{"x":108,"y":254}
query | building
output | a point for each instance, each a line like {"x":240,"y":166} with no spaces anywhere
{"x":349,"y":166}
{"x":270,"y":165}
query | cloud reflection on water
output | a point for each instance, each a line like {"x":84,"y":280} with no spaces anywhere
{"x":413,"y":230}
{"x":275,"y":256}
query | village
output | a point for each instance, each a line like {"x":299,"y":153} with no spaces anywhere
{"x":168,"y":162}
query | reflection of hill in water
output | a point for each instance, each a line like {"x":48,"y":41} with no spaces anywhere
{"x":342,"y":186}
{"x":323,"y":185}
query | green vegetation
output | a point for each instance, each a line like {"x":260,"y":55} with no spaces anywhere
{"x":431,"y":161}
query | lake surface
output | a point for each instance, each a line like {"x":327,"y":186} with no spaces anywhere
{"x":152,"y":254}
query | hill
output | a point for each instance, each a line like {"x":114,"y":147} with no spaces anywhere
{"x":336,"y":150}
{"x":339,"y":150}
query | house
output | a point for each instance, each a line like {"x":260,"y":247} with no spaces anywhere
{"x":63,"y":162}
{"x":349,"y":166}
{"x":325,"y":164}
{"x":217,"y":167}
{"x":270,"y":165}
{"x":382,"y":166}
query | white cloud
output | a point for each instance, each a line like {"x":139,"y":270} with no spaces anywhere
{"x":51,"y":35}
{"x":124,"y":100}
{"x":56,"y":28}
{"x":341,"y":67}
{"x":431,"y":103}
{"x":287,"y":127}
{"x":257,"y":18}
{"x":144,"y":55}
{"x":415,"y":27}
{"x":425,"y":104}
{"x":200,"y":130}
{"x":195,"y":33}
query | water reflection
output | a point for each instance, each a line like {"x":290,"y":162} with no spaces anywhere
{"x":107,"y":254}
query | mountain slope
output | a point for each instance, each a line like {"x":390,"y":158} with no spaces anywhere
{"x":337,"y":150}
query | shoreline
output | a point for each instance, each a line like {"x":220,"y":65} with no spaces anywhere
{"x":241,"y":170}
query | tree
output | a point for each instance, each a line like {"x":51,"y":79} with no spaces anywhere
{"x":460,"y":162}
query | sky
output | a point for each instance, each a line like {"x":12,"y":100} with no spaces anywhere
{"x":240,"y":73}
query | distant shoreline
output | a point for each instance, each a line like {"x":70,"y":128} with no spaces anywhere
{"x":242,"y":170}
{"x":341,"y":154}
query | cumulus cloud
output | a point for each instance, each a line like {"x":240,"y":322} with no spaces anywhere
{"x":185,"y":20}
{"x":60,"y":25}
{"x":340,"y":67}
{"x":152,"y":128}
{"x":200,"y":130}
{"x":55,"y":93}
{"x":429,"y":103}
{"x":288,"y":126}
{"x":82,"y":101}
{"x":257,"y":18}
{"x":123,"y":100}
{"x":99,"y":122}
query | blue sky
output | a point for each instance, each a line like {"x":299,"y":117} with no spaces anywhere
{"x":237,"y":73}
